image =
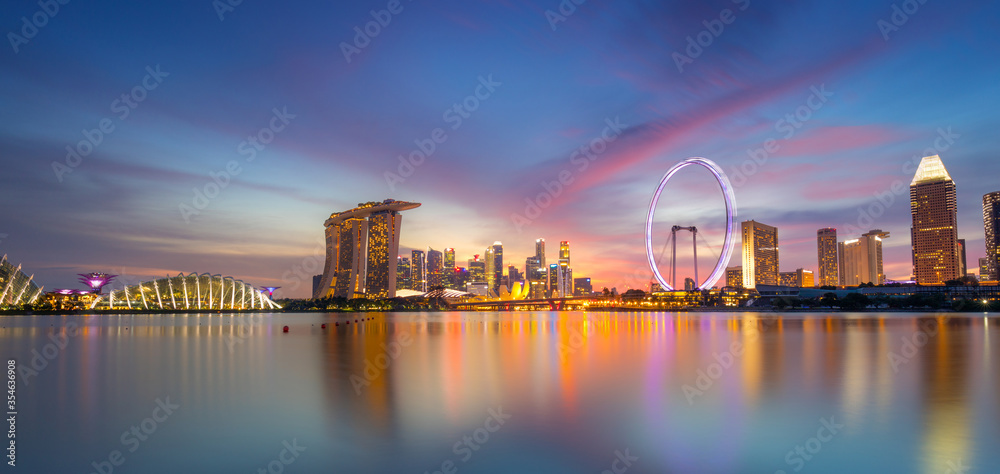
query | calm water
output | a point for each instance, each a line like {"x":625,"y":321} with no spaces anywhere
{"x":506,"y":392}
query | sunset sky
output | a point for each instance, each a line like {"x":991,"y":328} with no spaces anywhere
{"x":548,"y":84}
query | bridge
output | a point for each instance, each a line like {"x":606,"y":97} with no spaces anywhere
{"x":553,"y":304}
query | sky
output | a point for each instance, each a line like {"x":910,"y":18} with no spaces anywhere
{"x":150,"y":138}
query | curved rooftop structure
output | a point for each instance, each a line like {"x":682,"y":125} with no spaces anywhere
{"x":16,"y":288}
{"x":188,"y":292}
{"x":366,"y":209}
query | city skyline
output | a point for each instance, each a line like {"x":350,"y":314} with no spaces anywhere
{"x":809,"y":144}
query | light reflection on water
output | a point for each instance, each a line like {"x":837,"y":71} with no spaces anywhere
{"x":409,"y":392}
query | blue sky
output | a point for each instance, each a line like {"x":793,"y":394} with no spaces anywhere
{"x":555,"y":86}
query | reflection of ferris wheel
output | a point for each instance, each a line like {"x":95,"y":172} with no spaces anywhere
{"x":727,"y":248}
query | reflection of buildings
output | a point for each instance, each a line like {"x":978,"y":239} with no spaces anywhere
{"x":360,"y":243}
{"x":826,"y":245}
{"x":934,"y":234}
{"x":760,"y":254}
{"x":861,"y":259}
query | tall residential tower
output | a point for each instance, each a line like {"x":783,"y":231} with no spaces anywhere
{"x":934,"y":234}
{"x":826,"y":245}
{"x":991,"y":221}
{"x":760,"y":254}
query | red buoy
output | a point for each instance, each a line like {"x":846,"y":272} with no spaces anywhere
{"x":284,"y":329}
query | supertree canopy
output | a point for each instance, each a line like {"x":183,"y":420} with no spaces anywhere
{"x":96,"y":281}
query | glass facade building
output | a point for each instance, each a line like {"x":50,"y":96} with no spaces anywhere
{"x":826,"y":246}
{"x":760,"y":254}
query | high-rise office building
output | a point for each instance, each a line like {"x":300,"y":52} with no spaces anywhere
{"x":734,"y":277}
{"x":564,"y":253}
{"x":418,"y":271}
{"x":582,"y":287}
{"x":403,"y":273}
{"x":540,"y":252}
{"x":513,"y":275}
{"x":934,"y":234}
{"x":449,"y":260}
{"x":991,"y":223}
{"x":535,"y":274}
{"x":494,"y":267}
{"x":477,"y":270}
{"x":963,"y":263}
{"x":360,"y":243}
{"x":760,"y":254}
{"x":861,"y":259}
{"x":435,"y":267}
{"x":554,"y":281}
{"x":984,"y":269}
{"x":826,"y":245}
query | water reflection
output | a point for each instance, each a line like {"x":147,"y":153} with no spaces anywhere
{"x":689,"y":392}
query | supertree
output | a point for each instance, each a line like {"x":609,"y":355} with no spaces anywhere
{"x":269,"y":290}
{"x":96,"y":281}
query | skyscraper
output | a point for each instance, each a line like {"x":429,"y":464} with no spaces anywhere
{"x":477,"y":270}
{"x":991,"y":222}
{"x":984,"y":269}
{"x":582,"y":287}
{"x":564,"y":253}
{"x":360,"y":243}
{"x":403,"y":273}
{"x":534,"y":273}
{"x":435,"y":266}
{"x":826,"y":245}
{"x":418,"y":271}
{"x":861,"y":259}
{"x":554,"y":281}
{"x":934,"y":234}
{"x":963,"y":263}
{"x":540,"y":252}
{"x":494,"y":267}
{"x":760,"y":254}
{"x":449,"y":275}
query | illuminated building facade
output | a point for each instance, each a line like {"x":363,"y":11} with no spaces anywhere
{"x":984,"y":269}
{"x":934,"y":234}
{"x":448,"y":273}
{"x":494,"y":267}
{"x":16,"y":288}
{"x":564,"y":253}
{"x":734,"y":277}
{"x":760,"y":254}
{"x":826,"y":245}
{"x":582,"y":287}
{"x":360,"y":243}
{"x":418,"y":271}
{"x":435,"y":266}
{"x":991,"y":223}
{"x":861,"y":259}
{"x":540,"y":252}
{"x":553,"y":283}
{"x":536,"y":275}
{"x":477,"y":270}
{"x":403,"y":281}
{"x":963,"y":262}
{"x":800,"y":278}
